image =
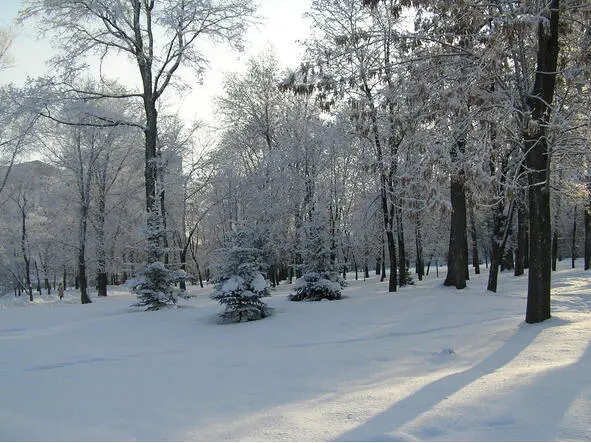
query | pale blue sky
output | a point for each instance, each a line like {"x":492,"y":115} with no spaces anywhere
{"x":283,"y":25}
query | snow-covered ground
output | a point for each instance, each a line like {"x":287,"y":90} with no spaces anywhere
{"x":426,"y":363}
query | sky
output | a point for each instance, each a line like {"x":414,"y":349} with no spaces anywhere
{"x":282,"y":25}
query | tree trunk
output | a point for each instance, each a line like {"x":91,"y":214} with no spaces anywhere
{"x":151,"y":168}
{"x":183,"y":258}
{"x":521,"y":247}
{"x":556,"y":230}
{"x":508,"y":262}
{"x":573,"y":246}
{"x":84,"y":298}
{"x":475,"y":258}
{"x":501,"y":230}
{"x":101,"y":253}
{"x":383,"y":263}
{"x":392,"y":255}
{"x":537,"y":160}
{"x":29,"y":287}
{"x":588,"y":238}
{"x":38,"y":278}
{"x":401,"y":250}
{"x":420,"y":262}
{"x":554,"y":248}
{"x":457,"y":264}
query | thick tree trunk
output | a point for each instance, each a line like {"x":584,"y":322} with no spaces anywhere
{"x":84,"y":298}
{"x":457,"y":263}
{"x":538,"y":299}
{"x":537,"y":160}
{"x":151,"y":179}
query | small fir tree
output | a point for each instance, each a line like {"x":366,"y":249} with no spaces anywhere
{"x":239,"y":284}
{"x":321,"y":279}
{"x":155,"y":287}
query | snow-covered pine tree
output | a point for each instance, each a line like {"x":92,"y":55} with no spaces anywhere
{"x":155,"y":288}
{"x":239,"y":284}
{"x":321,"y":278}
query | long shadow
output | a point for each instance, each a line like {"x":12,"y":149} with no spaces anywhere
{"x":430,"y":395}
{"x":543,"y":419}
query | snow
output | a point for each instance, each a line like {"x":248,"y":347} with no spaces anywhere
{"x":426,"y":363}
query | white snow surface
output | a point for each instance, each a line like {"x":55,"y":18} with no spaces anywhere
{"x":425,"y":363}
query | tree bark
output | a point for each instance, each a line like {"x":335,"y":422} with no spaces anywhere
{"x":84,"y":298}
{"x":38,"y":278}
{"x":392,"y":252}
{"x":501,"y":232}
{"x":573,"y":246}
{"x":457,"y":264}
{"x":521,"y":251}
{"x":101,"y":253}
{"x":475,"y":258}
{"x":401,"y":250}
{"x":588,"y":238}
{"x":24,"y":249}
{"x":555,"y":233}
{"x":537,"y":160}
{"x":420,"y":262}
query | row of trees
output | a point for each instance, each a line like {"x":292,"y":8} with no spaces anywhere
{"x":476,"y":98}
{"x":415,"y":123}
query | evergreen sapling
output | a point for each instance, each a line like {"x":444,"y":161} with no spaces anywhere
{"x":321,"y":279}
{"x":239,"y":284}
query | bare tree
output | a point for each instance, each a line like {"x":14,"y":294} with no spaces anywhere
{"x":158,"y":36}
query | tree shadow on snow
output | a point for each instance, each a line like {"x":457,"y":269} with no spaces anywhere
{"x":546,"y":419}
{"x":409,"y":408}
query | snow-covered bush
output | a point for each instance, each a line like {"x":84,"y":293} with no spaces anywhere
{"x":155,"y":286}
{"x":239,"y":284}
{"x":314,"y":286}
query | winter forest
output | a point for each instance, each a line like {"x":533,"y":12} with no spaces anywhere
{"x":388,"y":239}
{"x":413,"y":134}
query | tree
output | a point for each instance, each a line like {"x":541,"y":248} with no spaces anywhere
{"x":320,"y":279}
{"x":239,"y":284}
{"x":537,"y":153}
{"x":158,"y":36}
